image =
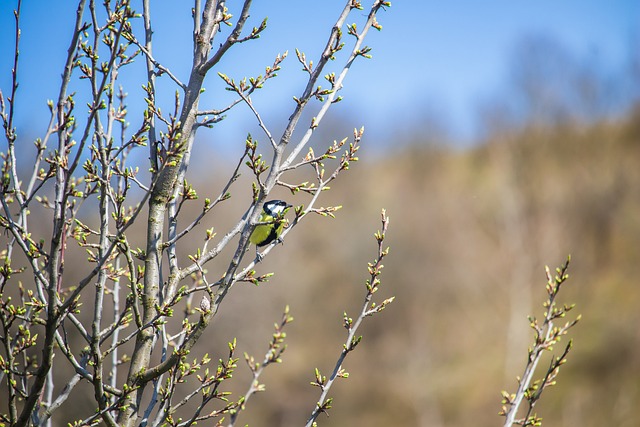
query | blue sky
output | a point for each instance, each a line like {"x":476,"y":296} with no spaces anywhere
{"x":432,"y":58}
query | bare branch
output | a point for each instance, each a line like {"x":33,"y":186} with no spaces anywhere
{"x":147,"y":53}
{"x":233,"y":38}
{"x":546,"y":336}
{"x":368,"y":308}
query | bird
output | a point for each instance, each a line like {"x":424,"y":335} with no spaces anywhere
{"x":272,"y":223}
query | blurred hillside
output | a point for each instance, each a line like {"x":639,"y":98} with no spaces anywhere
{"x":471,"y":230}
{"x":470,"y":233}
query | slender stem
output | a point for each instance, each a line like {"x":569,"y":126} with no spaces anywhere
{"x":158,"y":203}
{"x":56,"y":240}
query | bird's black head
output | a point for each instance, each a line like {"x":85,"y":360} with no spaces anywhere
{"x":275,"y":207}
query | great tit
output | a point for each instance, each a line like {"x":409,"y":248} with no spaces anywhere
{"x":272,"y":213}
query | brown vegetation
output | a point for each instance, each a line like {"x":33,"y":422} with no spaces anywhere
{"x":471,"y":232}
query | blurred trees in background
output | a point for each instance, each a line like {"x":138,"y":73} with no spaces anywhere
{"x":473,"y":229}
{"x":472,"y":232}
